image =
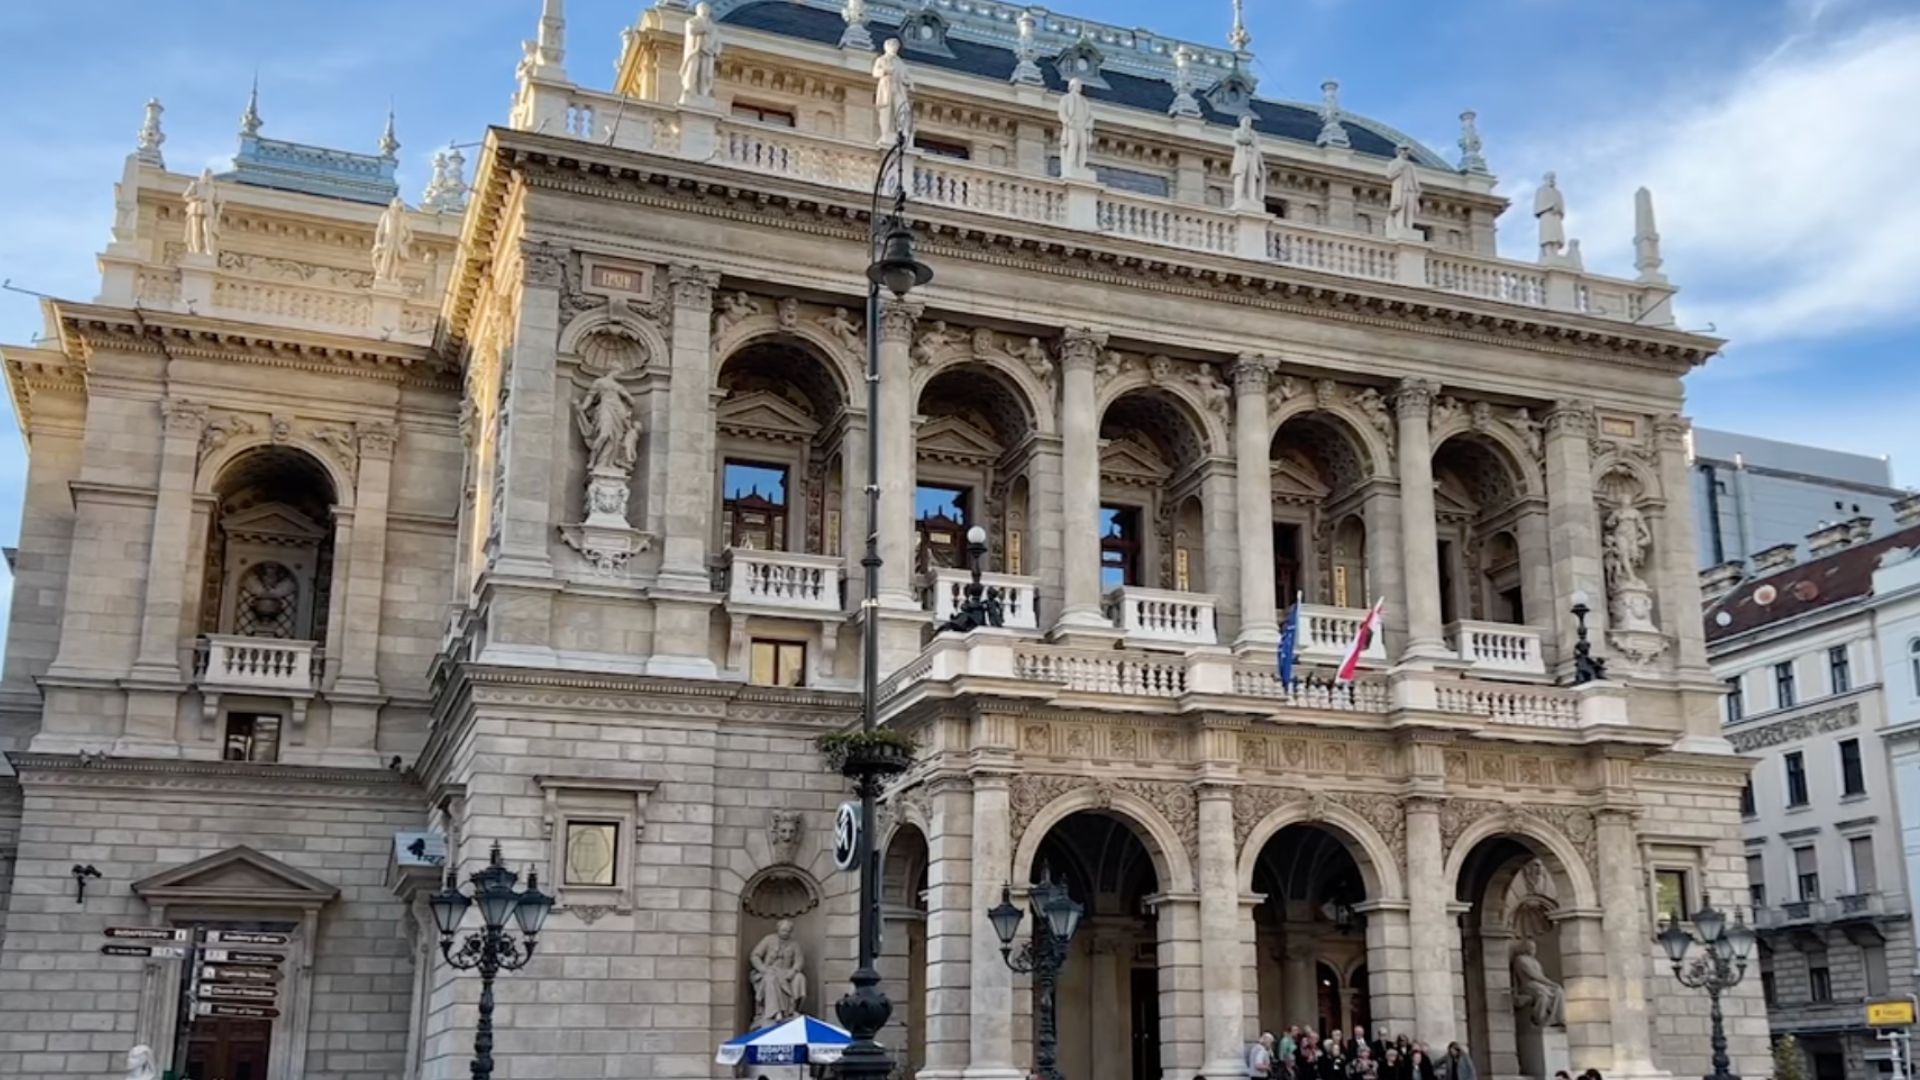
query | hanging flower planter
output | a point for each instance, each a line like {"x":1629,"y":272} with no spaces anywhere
{"x":861,"y":755}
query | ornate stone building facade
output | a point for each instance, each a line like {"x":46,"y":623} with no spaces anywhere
{"x":353,"y":534}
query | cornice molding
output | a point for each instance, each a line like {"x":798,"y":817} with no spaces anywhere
{"x":237,"y":779}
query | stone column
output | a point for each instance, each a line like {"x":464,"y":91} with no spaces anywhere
{"x":355,"y":694}
{"x":1583,"y":972}
{"x":1080,"y":473}
{"x":1679,"y":579}
{"x":1536,"y":577}
{"x":1419,"y":543}
{"x":1253,"y":491}
{"x":1433,"y":936}
{"x":990,"y":1008}
{"x":529,"y":441}
{"x":951,"y":912}
{"x":1572,"y":537}
{"x":1625,"y":931}
{"x":1220,"y":934}
{"x":154,"y":680}
{"x":894,"y":429}
{"x":1182,"y":981}
{"x":690,"y":434}
{"x":853,"y":505}
{"x":1298,"y":996}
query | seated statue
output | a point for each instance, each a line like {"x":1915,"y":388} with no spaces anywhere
{"x":1544,"y":1001}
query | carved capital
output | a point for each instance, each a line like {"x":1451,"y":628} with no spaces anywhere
{"x":183,"y":417}
{"x":897,"y":321}
{"x":543,"y":265}
{"x":1570,"y":416}
{"x":1252,"y":372}
{"x":376,"y":438}
{"x":1080,"y":348}
{"x":1413,"y":398}
{"x":692,"y":286}
{"x":1670,"y":431}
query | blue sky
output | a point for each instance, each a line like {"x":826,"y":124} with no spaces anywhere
{"x":1779,"y":138}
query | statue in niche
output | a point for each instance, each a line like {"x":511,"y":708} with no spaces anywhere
{"x":203,"y":215}
{"x":1550,"y":210}
{"x":1249,"y":168}
{"x":392,"y":242}
{"x":140,"y":1063}
{"x":783,"y":835}
{"x":1540,"y":999}
{"x":605,"y":416}
{"x":779,"y":984}
{"x":893,"y":95}
{"x":1626,"y":542}
{"x":699,"y":56}
{"x":1076,"y":132}
{"x":1403,"y":202}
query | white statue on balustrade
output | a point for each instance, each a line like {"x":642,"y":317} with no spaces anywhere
{"x":1626,"y":543}
{"x":392,"y":242}
{"x":1550,"y":210}
{"x":1403,"y":202}
{"x":775,"y":970}
{"x":140,"y":1063}
{"x":1249,"y":168}
{"x":699,"y":57}
{"x":1541,"y":1000}
{"x":203,"y":215}
{"x":893,"y":95}
{"x":1076,"y":132}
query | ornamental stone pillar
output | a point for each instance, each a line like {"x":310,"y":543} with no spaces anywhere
{"x":1627,"y":936}
{"x":1583,"y":972}
{"x":990,"y":990}
{"x":1679,"y":578}
{"x":951,"y":911}
{"x":1178,"y":959}
{"x":154,"y":681}
{"x":1220,"y":935}
{"x":688,"y":510}
{"x":1434,"y":936}
{"x":533,"y":437}
{"x":1080,"y":472}
{"x":1572,"y":536}
{"x":894,"y":430}
{"x":1253,"y":490}
{"x":1419,"y":538}
{"x":355,"y":693}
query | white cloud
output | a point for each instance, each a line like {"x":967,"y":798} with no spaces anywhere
{"x":1785,"y":190}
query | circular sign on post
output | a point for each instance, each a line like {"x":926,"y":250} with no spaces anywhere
{"x":846,"y":836}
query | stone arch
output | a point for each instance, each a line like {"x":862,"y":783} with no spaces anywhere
{"x":1033,"y":397}
{"x":847,"y":367}
{"x":1378,"y":862}
{"x":215,"y":465}
{"x":1376,"y":451}
{"x":1616,"y":472}
{"x":1573,"y":878}
{"x":1172,"y":862}
{"x":621,"y":324}
{"x":1211,"y":429}
{"x":1002,"y":397}
{"x":1501,"y":445}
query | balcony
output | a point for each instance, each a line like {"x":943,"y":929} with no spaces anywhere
{"x":1497,"y":648}
{"x":1158,"y":617}
{"x":1019,"y":596}
{"x":1326,"y":633}
{"x":270,"y":667}
{"x":784,"y":583}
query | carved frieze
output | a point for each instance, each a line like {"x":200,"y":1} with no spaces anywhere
{"x":1253,"y":802}
{"x":1798,"y":727}
{"x":220,"y":429}
{"x":1029,"y":794}
{"x":1575,"y":824}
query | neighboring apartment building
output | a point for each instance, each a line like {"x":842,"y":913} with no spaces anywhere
{"x":1750,"y":494}
{"x":1896,"y":600}
{"x":1802,"y":657}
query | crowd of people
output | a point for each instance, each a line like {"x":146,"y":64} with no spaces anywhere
{"x":1302,"y":1054}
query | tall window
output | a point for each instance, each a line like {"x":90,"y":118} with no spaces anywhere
{"x":778,"y":663}
{"x":1913,"y":664}
{"x":940,"y":516}
{"x":1796,"y":779}
{"x":1819,"y":980}
{"x":1806,"y":868}
{"x":753,"y":507}
{"x":1747,"y":807}
{"x":251,"y":737}
{"x":1839,"y":669}
{"x":1756,"y":881}
{"x":763,"y":114}
{"x":1853,"y":779}
{"x":1874,"y":959}
{"x":1670,"y":893}
{"x":1119,"y":546}
{"x":1783,"y":684}
{"x":1736,"y":700}
{"x":1866,"y":878}
{"x":268,"y":602}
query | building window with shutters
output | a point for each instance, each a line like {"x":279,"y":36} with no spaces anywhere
{"x":1874,"y":959}
{"x":1819,"y":980}
{"x":1736,"y":701}
{"x":1806,"y":868}
{"x":1783,"y":692}
{"x":1839,"y":669}
{"x":1853,"y":778}
{"x":1866,"y":877}
{"x":1756,"y":881}
{"x":1747,"y":806}
{"x":1796,"y":779}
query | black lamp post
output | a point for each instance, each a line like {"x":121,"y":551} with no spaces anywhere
{"x":1586,"y":666}
{"x":981,"y":606}
{"x":865,"y":1009}
{"x":490,"y":949}
{"x":1055,"y":919}
{"x":1719,"y":967}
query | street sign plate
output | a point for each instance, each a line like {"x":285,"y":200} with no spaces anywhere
{"x":236,"y":1011}
{"x":148,"y":933}
{"x":241,"y":956}
{"x":161,"y":952}
{"x":230,"y":974}
{"x":239,"y":993}
{"x":846,"y":835}
{"x":1890,"y":1014}
{"x":245,"y":937}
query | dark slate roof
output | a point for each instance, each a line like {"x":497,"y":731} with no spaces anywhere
{"x":1805,"y":587}
{"x":992,"y":62}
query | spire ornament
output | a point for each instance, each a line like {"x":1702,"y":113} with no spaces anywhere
{"x":550,"y":52}
{"x":1332,"y":132}
{"x":1646,"y":240}
{"x":1027,"y":70}
{"x":250,"y":120}
{"x":447,"y":192}
{"x":1183,"y":99}
{"x":147,"y":149}
{"x":389,"y":143}
{"x":856,"y":36}
{"x":1470,"y":159}
{"x":1238,"y":36}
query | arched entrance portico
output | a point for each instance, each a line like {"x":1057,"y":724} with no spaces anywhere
{"x":1310,"y":933}
{"x":903,"y":943}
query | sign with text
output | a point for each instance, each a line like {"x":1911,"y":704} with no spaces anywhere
{"x":1890,"y":1013}
{"x":245,"y":937}
{"x":210,"y":991}
{"x":149,"y":933}
{"x":235,"y":1011}
{"x":159,"y":952}
{"x":241,"y":956}
{"x":230,"y":974}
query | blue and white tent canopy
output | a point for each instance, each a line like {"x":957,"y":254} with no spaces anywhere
{"x":799,"y":1041}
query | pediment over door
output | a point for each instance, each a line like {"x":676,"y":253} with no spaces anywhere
{"x":762,"y":412}
{"x":273,"y":523}
{"x":1129,"y":461}
{"x":951,"y":438}
{"x":237,"y":877}
{"x":1297,"y":483}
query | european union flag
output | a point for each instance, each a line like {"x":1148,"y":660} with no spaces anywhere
{"x":1290,"y":642}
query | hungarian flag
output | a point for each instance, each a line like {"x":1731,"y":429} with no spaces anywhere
{"x":1362,"y":638}
{"x":1290,"y":642}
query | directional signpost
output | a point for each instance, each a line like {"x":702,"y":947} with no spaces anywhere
{"x":169,"y":934}
{"x":235,"y":973}
{"x":234,"y":1011}
{"x":158,"y":952}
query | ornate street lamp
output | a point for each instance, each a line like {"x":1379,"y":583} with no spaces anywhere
{"x":1719,"y":967}
{"x":490,"y":949}
{"x":865,"y":1009}
{"x":1056,"y":917}
{"x":1586,"y":666}
{"x":980,"y":606}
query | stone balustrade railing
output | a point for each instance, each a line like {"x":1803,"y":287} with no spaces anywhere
{"x":1158,"y":617}
{"x":250,"y":664}
{"x":1371,"y":694}
{"x":848,"y":164}
{"x":1018,"y":596}
{"x":1104,"y":671}
{"x":1548,"y":707}
{"x":1327,"y":632}
{"x":784,"y":581}
{"x":1497,"y":648}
